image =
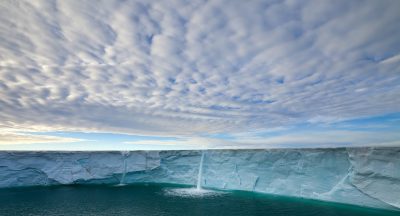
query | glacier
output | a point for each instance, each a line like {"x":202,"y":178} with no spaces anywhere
{"x":359,"y":176}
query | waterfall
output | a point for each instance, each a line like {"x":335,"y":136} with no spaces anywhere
{"x":125,"y":155}
{"x":200,"y":174}
{"x":255,"y":183}
{"x":121,"y":182}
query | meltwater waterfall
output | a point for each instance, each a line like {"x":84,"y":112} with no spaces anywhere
{"x":198,"y":191}
{"x":199,"y":175}
{"x":125,"y":155}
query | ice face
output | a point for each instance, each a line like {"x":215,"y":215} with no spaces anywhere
{"x":375,"y":175}
{"x":361,"y":176}
{"x":41,"y":168}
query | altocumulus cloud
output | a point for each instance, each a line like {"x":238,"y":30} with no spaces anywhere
{"x":195,"y":67}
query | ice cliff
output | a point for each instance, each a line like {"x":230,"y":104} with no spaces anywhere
{"x":360,"y":176}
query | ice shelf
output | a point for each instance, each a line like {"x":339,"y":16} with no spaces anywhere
{"x":360,"y":176}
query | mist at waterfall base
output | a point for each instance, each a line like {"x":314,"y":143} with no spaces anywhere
{"x":156,"y":199}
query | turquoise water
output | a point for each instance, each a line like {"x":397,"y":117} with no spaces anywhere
{"x":157,"y":200}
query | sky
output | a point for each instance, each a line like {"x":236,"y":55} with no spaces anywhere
{"x":176,"y":74}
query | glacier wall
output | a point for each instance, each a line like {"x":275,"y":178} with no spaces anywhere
{"x":360,"y":176}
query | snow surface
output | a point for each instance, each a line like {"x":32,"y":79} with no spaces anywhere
{"x":360,"y":176}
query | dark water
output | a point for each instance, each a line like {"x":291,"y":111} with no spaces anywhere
{"x":148,"y":200}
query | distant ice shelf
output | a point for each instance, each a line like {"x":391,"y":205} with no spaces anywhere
{"x":361,"y":176}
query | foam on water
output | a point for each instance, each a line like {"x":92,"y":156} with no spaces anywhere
{"x":191,"y":192}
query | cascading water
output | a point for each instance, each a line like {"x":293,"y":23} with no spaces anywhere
{"x":194,"y":192}
{"x":200,"y":173}
{"x":125,"y":155}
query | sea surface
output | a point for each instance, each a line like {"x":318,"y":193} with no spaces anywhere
{"x":162,"y":200}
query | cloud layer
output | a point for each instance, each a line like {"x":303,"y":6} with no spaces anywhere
{"x":196,"y":67}
{"x":7,"y":138}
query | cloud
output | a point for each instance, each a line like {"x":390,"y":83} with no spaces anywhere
{"x":179,"y":144}
{"x":189,"y":68}
{"x":327,"y":138}
{"x":7,"y":138}
{"x":391,"y":60}
{"x":303,"y":139}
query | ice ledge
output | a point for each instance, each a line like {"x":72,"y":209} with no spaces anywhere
{"x":376,"y":173}
{"x":360,"y":176}
{"x":43,"y":168}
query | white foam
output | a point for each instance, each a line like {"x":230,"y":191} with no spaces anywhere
{"x":191,"y":192}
